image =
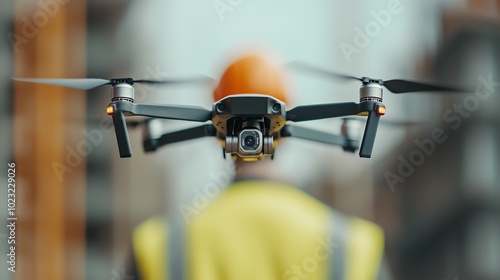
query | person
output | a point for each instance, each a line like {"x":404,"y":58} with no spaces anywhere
{"x":260,"y":227}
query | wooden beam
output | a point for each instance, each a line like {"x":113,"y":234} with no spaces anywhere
{"x":48,"y":125}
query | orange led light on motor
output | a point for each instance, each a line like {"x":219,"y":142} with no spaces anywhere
{"x":381,"y":110}
{"x":110,"y":110}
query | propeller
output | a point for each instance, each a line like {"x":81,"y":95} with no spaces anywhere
{"x":304,"y":66}
{"x":395,"y":86}
{"x":90,"y":83}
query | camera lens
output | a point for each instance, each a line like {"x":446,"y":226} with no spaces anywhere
{"x":249,"y":140}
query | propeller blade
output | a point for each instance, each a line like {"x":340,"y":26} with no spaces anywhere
{"x":198,"y":79}
{"x":402,"y":86}
{"x":83,"y":84}
{"x":90,"y":83}
{"x":317,"y":70}
{"x":395,"y":86}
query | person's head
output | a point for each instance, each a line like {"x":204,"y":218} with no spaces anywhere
{"x":253,"y":73}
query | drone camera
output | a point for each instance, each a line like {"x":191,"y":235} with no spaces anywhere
{"x":246,"y":124}
{"x":250,"y":144}
{"x":250,"y":141}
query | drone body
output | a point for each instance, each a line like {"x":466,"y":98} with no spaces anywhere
{"x":247,"y":124}
{"x":249,"y":114}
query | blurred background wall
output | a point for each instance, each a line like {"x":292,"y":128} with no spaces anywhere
{"x":438,"y":210}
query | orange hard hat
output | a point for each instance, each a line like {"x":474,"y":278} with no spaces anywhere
{"x":252,"y":73}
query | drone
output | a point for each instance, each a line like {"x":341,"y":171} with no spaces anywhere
{"x":248,"y":125}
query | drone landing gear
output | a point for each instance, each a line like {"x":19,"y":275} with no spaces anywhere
{"x":122,"y":135}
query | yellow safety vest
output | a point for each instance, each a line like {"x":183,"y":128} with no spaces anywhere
{"x":259,"y":230}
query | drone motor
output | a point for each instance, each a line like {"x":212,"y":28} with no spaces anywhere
{"x":123,"y":92}
{"x":371,"y":90}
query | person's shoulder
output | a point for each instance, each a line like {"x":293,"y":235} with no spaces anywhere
{"x":149,"y":242}
{"x":360,"y":224}
{"x":364,"y":240}
{"x":153,"y":228}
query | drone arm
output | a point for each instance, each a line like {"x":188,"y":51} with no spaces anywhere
{"x":174,"y":112}
{"x":290,"y":130}
{"x":179,"y":136}
{"x":119,"y":109}
{"x":332,"y":110}
{"x":323,"y":111}
{"x":122,"y":135}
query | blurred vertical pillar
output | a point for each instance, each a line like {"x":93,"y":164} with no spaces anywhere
{"x":49,"y":144}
